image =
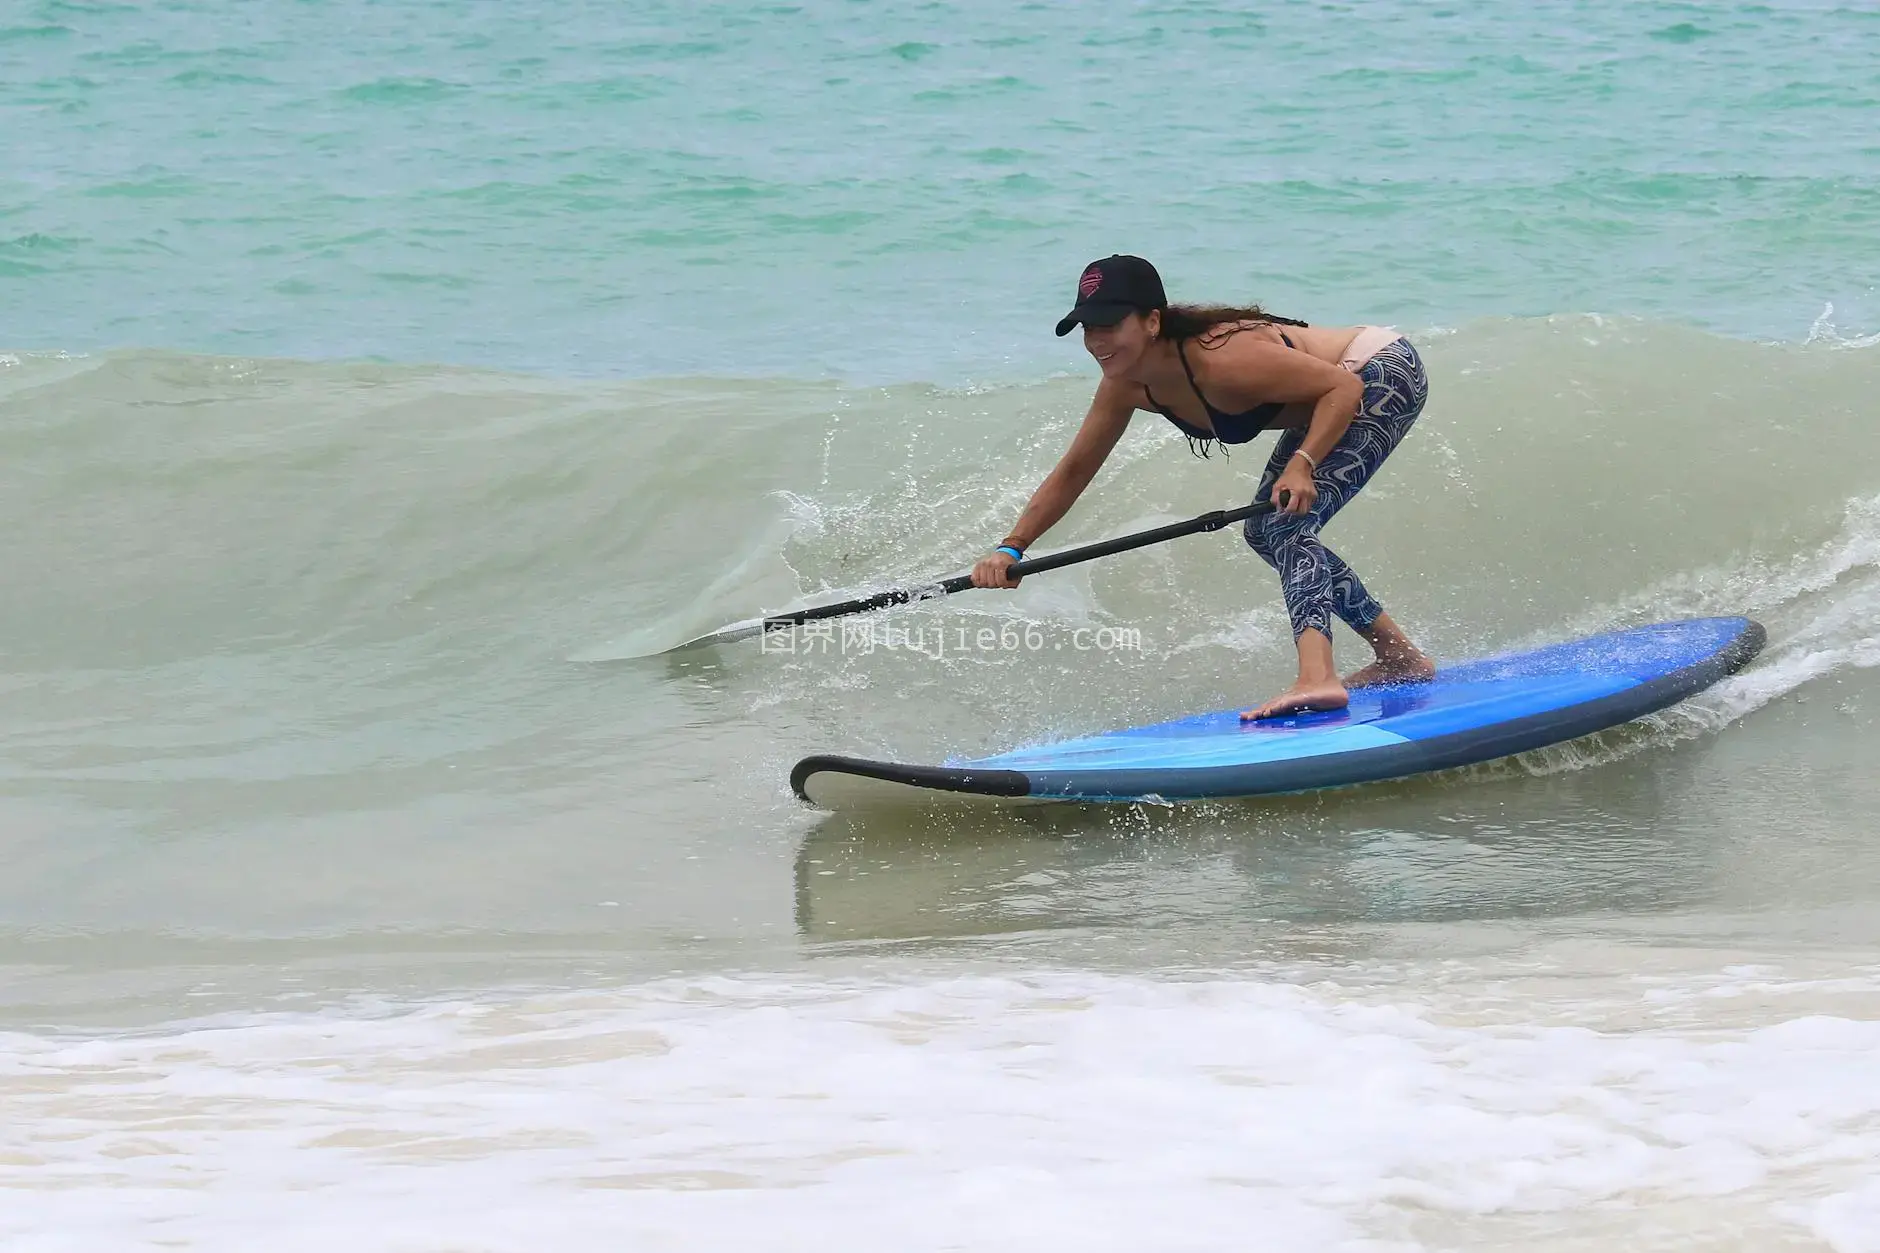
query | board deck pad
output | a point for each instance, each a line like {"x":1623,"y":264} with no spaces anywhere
{"x":1471,"y":712}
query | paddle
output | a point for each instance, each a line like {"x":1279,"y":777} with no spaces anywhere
{"x":1032,"y":565}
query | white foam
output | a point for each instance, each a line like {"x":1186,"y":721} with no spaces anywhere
{"x":1824,"y":331}
{"x":1261,"y":629}
{"x":1820,"y":606}
{"x":1065,"y":1111}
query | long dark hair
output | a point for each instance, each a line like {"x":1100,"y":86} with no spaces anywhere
{"x":1211,"y":326}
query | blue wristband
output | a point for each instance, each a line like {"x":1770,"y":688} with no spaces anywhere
{"x":1007,"y":548}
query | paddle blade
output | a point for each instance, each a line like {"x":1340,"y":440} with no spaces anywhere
{"x":748,"y":629}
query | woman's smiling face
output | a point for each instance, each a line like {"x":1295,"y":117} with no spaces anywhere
{"x":1119,"y":349}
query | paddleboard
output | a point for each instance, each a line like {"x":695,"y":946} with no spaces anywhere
{"x":1471,"y":712}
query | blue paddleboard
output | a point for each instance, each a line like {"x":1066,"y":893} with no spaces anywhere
{"x":1471,"y":712}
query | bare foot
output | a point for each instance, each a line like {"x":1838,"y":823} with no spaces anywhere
{"x":1299,"y":698}
{"x":1403,"y":668}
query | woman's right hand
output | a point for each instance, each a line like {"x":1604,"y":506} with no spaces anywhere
{"x":991,"y":571}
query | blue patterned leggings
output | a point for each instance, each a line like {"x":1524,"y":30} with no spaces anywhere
{"x":1316,"y":583}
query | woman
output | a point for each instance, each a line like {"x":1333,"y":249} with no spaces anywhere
{"x":1342,"y":399}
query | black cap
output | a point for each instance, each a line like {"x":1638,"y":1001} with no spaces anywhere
{"x":1111,"y":289}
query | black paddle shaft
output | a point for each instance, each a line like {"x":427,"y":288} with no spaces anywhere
{"x":1213,"y":521}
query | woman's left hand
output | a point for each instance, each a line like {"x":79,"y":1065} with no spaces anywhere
{"x":1295,"y":492}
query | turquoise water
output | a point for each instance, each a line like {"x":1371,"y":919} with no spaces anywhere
{"x":379,"y":383}
{"x":905,"y":191}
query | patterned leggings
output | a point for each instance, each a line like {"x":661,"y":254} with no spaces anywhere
{"x":1316,"y":583}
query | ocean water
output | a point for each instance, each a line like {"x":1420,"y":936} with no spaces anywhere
{"x":905,"y":192}
{"x":380,"y":383}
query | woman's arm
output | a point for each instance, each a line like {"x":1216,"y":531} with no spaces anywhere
{"x":1291,"y":376}
{"x":1103,"y":425}
{"x":1332,"y":413}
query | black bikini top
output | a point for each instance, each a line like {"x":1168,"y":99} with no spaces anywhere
{"x":1229,"y":428}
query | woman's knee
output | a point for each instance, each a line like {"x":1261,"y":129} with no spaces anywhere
{"x":1279,"y":531}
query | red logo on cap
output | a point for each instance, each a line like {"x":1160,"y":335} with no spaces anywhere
{"x":1088,"y":284}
